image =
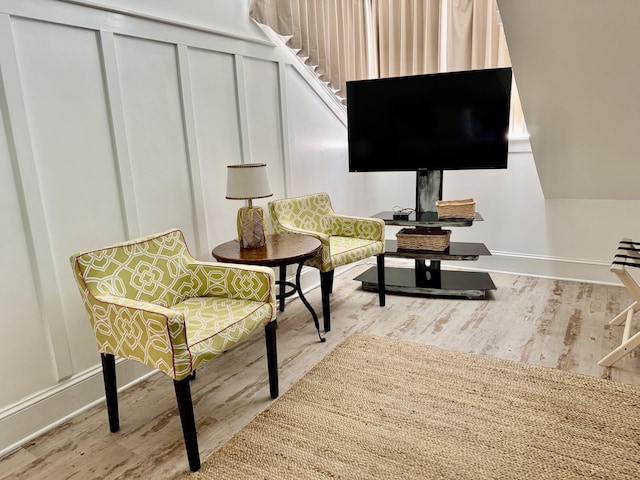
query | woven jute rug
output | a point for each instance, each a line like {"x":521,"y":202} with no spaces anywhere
{"x":378,"y":408}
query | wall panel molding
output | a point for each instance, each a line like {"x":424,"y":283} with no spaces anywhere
{"x":31,"y":201}
{"x":98,"y":17}
{"x":287,"y":163}
{"x":193,"y":158}
{"x":155,"y":18}
{"x":245,"y":150}
{"x":118,"y":133}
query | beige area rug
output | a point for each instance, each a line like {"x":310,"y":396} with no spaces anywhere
{"x":378,"y":408}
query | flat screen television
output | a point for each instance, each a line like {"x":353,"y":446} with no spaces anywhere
{"x":443,"y":121}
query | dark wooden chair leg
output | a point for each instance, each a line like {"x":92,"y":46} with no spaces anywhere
{"x":185,"y":407}
{"x":381,"y":285}
{"x":111,"y":389}
{"x":272,"y":357}
{"x":325,"y":288}
{"x":331,"y":281}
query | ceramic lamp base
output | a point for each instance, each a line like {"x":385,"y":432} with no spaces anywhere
{"x":251,"y":227}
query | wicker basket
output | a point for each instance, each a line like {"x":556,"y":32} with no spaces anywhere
{"x":456,"y":208}
{"x":422,"y":238}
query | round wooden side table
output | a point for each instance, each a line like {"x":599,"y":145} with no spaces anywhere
{"x":278,"y":251}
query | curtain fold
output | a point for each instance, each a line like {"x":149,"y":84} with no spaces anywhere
{"x":407,"y":36}
{"x":345,"y":40}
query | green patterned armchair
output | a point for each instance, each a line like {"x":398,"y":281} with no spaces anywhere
{"x":345,"y":239}
{"x":148,"y":300}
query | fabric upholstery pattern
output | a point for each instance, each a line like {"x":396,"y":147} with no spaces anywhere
{"x":149,"y":300}
{"x":345,"y":239}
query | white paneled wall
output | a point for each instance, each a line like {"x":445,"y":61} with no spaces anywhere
{"x":113,"y":126}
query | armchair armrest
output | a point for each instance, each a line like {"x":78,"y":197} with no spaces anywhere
{"x":125,"y":302}
{"x":360,"y":227}
{"x":248,"y":282}
{"x":152,"y":334}
{"x":285,"y":228}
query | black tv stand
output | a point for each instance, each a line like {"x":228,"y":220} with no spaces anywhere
{"x":431,"y":280}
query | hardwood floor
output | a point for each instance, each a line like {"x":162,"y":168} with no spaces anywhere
{"x":553,"y":323}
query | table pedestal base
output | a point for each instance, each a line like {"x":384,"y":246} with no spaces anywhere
{"x":295,"y":288}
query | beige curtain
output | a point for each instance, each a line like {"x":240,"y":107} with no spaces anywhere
{"x":407,"y":34}
{"x":427,"y":36}
{"x":356,"y":39}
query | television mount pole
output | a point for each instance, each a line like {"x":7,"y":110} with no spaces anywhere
{"x":428,"y":191}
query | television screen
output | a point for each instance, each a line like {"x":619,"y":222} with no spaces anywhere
{"x":443,"y":121}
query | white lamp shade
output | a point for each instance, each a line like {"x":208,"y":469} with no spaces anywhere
{"x":246,"y":181}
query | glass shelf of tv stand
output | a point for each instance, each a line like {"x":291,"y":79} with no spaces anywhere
{"x":427,"y":219}
{"x":431,"y":280}
{"x":455,"y":251}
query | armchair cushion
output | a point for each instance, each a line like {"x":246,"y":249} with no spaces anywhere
{"x":214,"y":324}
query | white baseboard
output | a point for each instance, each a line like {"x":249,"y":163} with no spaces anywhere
{"x":558,"y":268}
{"x":541,"y":266}
{"x":35,"y":415}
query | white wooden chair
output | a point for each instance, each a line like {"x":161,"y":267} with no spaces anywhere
{"x":627,"y":256}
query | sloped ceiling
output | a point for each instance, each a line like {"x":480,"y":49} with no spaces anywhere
{"x":577,"y":67}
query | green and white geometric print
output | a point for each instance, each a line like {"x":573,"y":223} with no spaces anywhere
{"x":345,"y":239}
{"x":149,"y":300}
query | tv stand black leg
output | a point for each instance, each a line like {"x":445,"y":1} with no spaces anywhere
{"x":381,"y":280}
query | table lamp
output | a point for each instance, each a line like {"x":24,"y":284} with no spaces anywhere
{"x":246,"y":182}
